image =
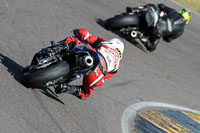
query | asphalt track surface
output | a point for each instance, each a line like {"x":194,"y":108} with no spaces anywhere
{"x":169,"y":75}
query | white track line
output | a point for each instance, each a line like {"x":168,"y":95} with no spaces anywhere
{"x":132,"y":111}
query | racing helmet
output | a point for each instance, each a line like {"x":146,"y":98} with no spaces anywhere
{"x":186,"y":14}
{"x":117,"y":44}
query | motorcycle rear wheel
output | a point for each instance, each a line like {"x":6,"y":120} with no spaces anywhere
{"x":42,"y":76}
{"x":121,"y":21}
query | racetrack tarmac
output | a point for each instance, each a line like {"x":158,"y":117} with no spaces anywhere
{"x":169,"y":75}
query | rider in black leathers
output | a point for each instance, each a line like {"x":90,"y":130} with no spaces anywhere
{"x":169,"y":27}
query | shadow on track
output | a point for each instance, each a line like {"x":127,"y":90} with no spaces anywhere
{"x":128,"y":38}
{"x":15,"y":69}
{"x":12,"y":67}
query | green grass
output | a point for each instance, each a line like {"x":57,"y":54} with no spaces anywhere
{"x":191,"y":4}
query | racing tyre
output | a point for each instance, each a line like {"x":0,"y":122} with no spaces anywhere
{"x":120,"y":21}
{"x":42,"y":76}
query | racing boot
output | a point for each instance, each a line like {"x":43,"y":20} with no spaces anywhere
{"x":148,"y":44}
{"x":71,"y":89}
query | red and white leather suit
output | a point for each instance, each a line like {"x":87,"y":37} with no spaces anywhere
{"x":109,"y":61}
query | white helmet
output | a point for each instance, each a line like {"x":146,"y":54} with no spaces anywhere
{"x":117,"y":44}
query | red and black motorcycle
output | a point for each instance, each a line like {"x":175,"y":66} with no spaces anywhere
{"x":54,"y":65}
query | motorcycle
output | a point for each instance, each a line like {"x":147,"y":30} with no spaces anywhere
{"x":133,"y":24}
{"x":53,"y":66}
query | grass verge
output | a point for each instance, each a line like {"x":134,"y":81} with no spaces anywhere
{"x":190,"y":4}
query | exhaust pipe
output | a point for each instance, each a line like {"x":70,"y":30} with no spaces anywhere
{"x":86,"y":61}
{"x":134,"y":34}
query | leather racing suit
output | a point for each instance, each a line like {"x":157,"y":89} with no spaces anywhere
{"x":108,"y":66}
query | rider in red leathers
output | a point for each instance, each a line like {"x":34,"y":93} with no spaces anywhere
{"x":110,"y":53}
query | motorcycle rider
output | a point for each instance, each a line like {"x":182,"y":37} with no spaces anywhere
{"x":169,"y":27}
{"x":110,"y":53}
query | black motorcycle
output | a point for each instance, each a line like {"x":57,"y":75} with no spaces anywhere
{"x":54,"y":65}
{"x":133,"y":24}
